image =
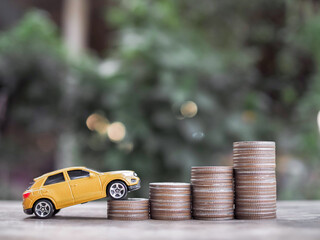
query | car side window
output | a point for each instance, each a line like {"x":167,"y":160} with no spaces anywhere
{"x":54,"y":179}
{"x":75,"y":174}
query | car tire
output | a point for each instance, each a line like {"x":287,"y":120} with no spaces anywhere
{"x":56,"y":211}
{"x":117,"y":190}
{"x":43,"y":209}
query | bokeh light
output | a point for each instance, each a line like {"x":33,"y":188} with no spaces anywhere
{"x":126,"y":146}
{"x":108,"y":68}
{"x":189,"y":109}
{"x":249,"y":116}
{"x":97,"y":122}
{"x":197,"y":136}
{"x":116,"y":131}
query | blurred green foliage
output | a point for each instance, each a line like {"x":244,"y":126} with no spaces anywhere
{"x":250,"y":67}
{"x":32,"y":73}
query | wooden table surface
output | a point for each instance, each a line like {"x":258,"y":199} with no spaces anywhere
{"x":296,"y":220}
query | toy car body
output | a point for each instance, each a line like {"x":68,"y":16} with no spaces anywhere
{"x":70,"y":186}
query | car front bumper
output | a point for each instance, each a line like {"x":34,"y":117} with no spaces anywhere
{"x":134,"y":187}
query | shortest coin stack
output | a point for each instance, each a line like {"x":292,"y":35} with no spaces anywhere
{"x":130,"y":209}
{"x":170,"y":201}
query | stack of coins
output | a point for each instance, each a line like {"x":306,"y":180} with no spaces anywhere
{"x":170,"y":201}
{"x":212,"y":193}
{"x":255,"y":180}
{"x":130,"y":209}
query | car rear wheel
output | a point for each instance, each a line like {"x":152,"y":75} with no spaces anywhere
{"x":43,"y":209}
{"x":117,"y":190}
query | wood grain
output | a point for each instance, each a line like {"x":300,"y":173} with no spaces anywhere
{"x":296,"y":220}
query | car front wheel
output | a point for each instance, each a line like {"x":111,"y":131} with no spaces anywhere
{"x":43,"y":209}
{"x":117,"y":190}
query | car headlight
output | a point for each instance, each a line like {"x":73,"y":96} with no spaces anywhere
{"x":134,"y":174}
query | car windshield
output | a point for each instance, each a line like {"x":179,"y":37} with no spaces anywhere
{"x":30,"y":185}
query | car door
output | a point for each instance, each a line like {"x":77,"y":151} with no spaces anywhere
{"x":55,"y":187}
{"x":85,"y":185}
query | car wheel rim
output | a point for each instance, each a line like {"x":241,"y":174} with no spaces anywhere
{"x":42,"y":209}
{"x":117,"y":190}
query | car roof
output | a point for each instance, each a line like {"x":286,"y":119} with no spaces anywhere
{"x":59,"y":171}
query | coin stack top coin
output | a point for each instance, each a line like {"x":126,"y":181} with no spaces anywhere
{"x":130,"y":209}
{"x":255,"y":180}
{"x":212,"y":192}
{"x":170,"y":201}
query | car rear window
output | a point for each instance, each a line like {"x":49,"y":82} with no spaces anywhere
{"x":55,"y":179}
{"x":30,"y":185}
{"x":75,"y":174}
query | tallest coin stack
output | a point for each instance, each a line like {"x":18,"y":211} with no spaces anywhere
{"x":255,"y":181}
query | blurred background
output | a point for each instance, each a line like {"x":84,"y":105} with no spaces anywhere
{"x":157,"y":87}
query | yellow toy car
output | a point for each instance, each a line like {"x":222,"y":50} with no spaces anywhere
{"x":69,"y":186}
